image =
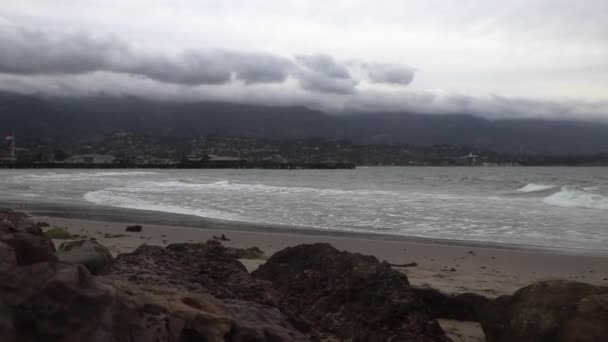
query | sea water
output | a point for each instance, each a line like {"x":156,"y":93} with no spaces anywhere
{"x":555,"y":207}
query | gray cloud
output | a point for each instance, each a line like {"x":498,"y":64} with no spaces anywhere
{"x":366,"y":100}
{"x":318,"y":82}
{"x":322,"y":73}
{"x":389,"y":74}
{"x":31,"y":52}
{"x":324,"y":64}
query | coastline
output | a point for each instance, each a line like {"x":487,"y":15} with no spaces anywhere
{"x":450,"y":266}
{"x":93,"y":212}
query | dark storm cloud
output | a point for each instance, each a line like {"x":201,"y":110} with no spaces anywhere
{"x":389,"y":74}
{"x":321,"y":73}
{"x":30,"y":52}
{"x":318,"y":82}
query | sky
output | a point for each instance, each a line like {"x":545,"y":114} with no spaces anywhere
{"x":497,"y":59}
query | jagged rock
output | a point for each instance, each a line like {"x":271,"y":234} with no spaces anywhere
{"x":349,"y":297}
{"x":200,"y":268}
{"x":94,"y":256}
{"x":50,"y":300}
{"x":462,"y":307}
{"x":135,"y":228}
{"x":548,"y":311}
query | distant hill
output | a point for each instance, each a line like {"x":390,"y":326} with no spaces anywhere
{"x":63,"y":119}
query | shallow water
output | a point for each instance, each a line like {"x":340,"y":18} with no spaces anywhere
{"x":547,"y":207}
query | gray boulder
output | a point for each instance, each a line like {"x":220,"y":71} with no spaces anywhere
{"x":548,"y":311}
{"x":89,"y":253}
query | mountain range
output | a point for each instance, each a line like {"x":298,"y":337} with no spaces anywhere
{"x":45,"y":119}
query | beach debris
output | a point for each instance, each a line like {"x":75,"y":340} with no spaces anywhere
{"x":59,"y":233}
{"x":337,"y":291}
{"x":94,"y":256}
{"x":553,"y":310}
{"x":411,"y":264}
{"x":221,"y":238}
{"x":471,"y":253}
{"x":135,"y":228}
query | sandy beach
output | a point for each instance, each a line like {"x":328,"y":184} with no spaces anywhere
{"x":452,"y":268}
{"x":490,"y":271}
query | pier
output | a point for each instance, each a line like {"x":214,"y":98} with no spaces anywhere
{"x":188,"y":165}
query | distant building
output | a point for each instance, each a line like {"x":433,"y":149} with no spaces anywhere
{"x":470,"y":159}
{"x":91,"y":158}
{"x":223,"y":159}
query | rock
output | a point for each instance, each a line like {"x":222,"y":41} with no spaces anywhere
{"x":94,"y":256}
{"x":193,"y":267}
{"x":29,"y":241}
{"x":135,"y":228}
{"x":12,"y":218}
{"x":50,"y":300}
{"x":349,"y":297}
{"x":216,"y":247}
{"x":461,"y":307}
{"x":556,"y":311}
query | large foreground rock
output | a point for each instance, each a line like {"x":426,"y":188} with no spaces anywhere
{"x":349,"y":297}
{"x":44,"y":299}
{"x":549,"y":311}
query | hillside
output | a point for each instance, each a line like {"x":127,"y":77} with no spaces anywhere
{"x":37,"y":118}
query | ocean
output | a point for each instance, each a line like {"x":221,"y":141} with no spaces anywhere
{"x":564,"y":208}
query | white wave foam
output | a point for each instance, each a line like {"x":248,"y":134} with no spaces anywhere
{"x":572,"y":197}
{"x":245,"y":187}
{"x":532,"y":187}
{"x":116,"y":199}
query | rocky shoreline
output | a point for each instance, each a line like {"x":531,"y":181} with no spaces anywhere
{"x":187,"y":292}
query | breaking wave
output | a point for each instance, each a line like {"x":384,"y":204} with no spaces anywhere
{"x":532,"y":187}
{"x":118,"y":199}
{"x":574,"y":197}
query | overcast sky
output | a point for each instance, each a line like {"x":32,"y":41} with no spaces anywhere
{"x":516,"y":58}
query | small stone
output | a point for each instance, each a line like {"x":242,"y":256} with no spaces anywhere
{"x":135,"y":228}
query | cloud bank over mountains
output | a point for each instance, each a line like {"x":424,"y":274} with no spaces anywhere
{"x":82,"y":61}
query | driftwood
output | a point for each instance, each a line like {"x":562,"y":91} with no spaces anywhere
{"x":411,"y":264}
